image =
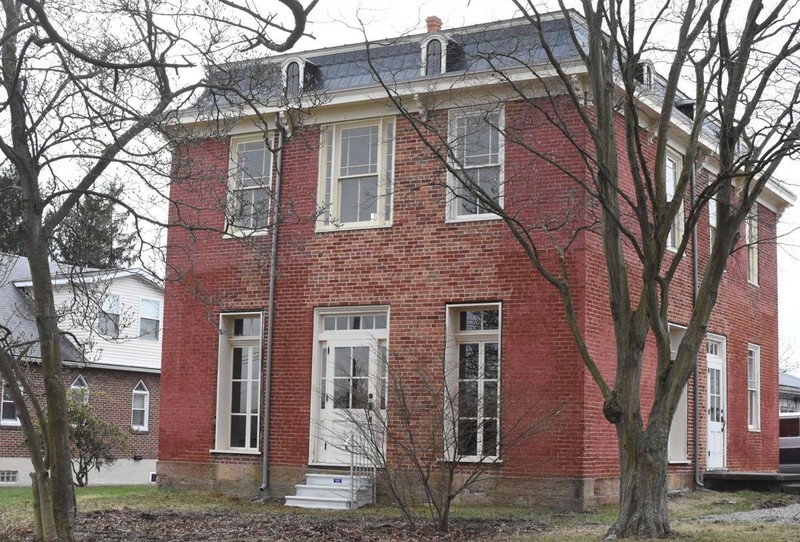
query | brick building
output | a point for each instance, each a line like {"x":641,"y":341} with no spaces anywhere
{"x":112,"y":359}
{"x":385,"y":269}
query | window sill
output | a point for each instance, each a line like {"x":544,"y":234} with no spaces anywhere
{"x":352,"y":227}
{"x":244,"y":234}
{"x":473,"y":218}
{"x":139,"y":430}
{"x":489,"y":460}
{"x":236,"y":452}
{"x":12,"y":425}
{"x":754,"y":429}
{"x":679,"y":462}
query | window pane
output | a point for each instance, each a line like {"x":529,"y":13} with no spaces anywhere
{"x":433,"y":60}
{"x":360,"y":393}
{"x":490,"y":360}
{"x":359,"y":151}
{"x":367,"y":322}
{"x":470,"y":320}
{"x":148,"y":329}
{"x":293,"y":78}
{"x":138,"y":418}
{"x":380,"y":321}
{"x":490,"y":437}
{"x":490,"y":399}
{"x":359,"y":201}
{"x":468,"y":360}
{"x":468,"y":400}
{"x":238,"y":427}
{"x":9,"y":410}
{"x":239,"y":398}
{"x":467,"y":437}
{"x":491,"y":319}
{"x":254,"y":432}
{"x":329,"y":323}
{"x":341,"y":360}
{"x":361,"y":361}
{"x":239,"y":364}
{"x":138,"y":401}
{"x":341,"y":393}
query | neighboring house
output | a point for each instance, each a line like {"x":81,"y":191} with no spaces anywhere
{"x":418,"y":278}
{"x":789,"y":392}
{"x":112,"y":358}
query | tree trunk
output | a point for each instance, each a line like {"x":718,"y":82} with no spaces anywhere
{"x":44,"y":519}
{"x":643,"y":485}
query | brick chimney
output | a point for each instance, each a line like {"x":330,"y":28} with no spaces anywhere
{"x":434,"y":23}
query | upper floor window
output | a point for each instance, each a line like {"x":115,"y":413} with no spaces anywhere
{"x":671,"y":174}
{"x":79,"y":390}
{"x":434,"y":57}
{"x":8,"y":410}
{"x":712,"y":220}
{"x":356,"y":169}
{"x":751,"y":240}
{"x":107,"y":322}
{"x":140,"y":407}
{"x":251,"y":177}
{"x":150,"y":319}
{"x":292,"y":78}
{"x":644,"y":74}
{"x":477,"y":145}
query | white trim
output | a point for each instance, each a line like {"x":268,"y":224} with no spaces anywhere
{"x":4,"y":422}
{"x":301,"y":65}
{"x":423,"y":46}
{"x":96,"y":276}
{"x":452,"y":203}
{"x":751,"y":224}
{"x":146,"y":394}
{"x":160,"y":319}
{"x":722,"y":341}
{"x":676,"y":231}
{"x":756,"y":350}
{"x":80,"y":385}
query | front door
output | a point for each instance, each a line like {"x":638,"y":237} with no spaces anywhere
{"x":716,"y":406}
{"x":352,"y":408}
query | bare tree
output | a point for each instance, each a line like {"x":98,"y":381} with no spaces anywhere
{"x":611,"y":118}
{"x":82,"y":89}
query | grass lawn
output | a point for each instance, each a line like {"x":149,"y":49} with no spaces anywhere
{"x":121,"y":513}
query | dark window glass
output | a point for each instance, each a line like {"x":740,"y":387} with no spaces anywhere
{"x":433,"y":58}
{"x":292,"y":78}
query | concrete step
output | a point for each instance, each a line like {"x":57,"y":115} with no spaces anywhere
{"x":309,"y":490}
{"x":318,"y":503}
{"x":332,"y":479}
{"x":791,"y":489}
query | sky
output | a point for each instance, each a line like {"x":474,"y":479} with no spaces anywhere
{"x":345,"y":21}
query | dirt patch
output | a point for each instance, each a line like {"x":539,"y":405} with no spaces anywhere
{"x":138,"y":526}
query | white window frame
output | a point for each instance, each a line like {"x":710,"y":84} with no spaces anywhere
{"x":455,"y":337}
{"x":79,"y":385}
{"x":159,"y":319}
{"x":424,"y":55}
{"x":227,"y":342}
{"x":670,"y":185}
{"x":301,"y":68}
{"x":751,"y":240}
{"x":453,"y":183}
{"x":753,"y":387}
{"x":110,"y":306}
{"x":9,"y":477}
{"x":145,"y":393}
{"x":233,"y":172}
{"x":712,"y":222}
{"x":329,"y":187}
{"x":3,"y":400}
{"x":678,"y":440}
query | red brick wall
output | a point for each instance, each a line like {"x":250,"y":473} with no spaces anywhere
{"x":110,"y":394}
{"x":418,"y":266}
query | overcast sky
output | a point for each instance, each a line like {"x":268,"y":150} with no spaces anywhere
{"x":340,"y":22}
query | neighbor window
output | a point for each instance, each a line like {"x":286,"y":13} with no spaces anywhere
{"x":251,"y":175}
{"x":140,"y":407}
{"x":673,"y":167}
{"x":477,"y":143}
{"x":8,"y":415}
{"x":8,"y":476}
{"x":751,"y":240}
{"x":356,"y":165}
{"x":79,"y":390}
{"x":107,"y":322}
{"x":433,"y":57}
{"x":753,"y":387}
{"x":239,"y":383}
{"x":473,"y":382}
{"x":292,"y":78}
{"x":150,"y":319}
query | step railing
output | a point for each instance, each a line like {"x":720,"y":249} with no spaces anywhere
{"x":362,"y":468}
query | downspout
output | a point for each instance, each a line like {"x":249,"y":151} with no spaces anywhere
{"x":273,"y":268}
{"x":696,"y":392}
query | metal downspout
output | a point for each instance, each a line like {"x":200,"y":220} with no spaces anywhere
{"x":273,"y":268}
{"x":696,"y":392}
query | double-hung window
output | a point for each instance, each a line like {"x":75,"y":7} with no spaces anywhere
{"x":673,"y":168}
{"x":356,"y":170}
{"x":8,"y":411}
{"x":751,"y":240}
{"x":472,"y":377}
{"x":712,"y":221}
{"x":79,"y":390}
{"x":140,"y":407}
{"x":239,"y":383}
{"x":476,"y":185}
{"x":250,"y":184}
{"x":107,"y":322}
{"x":150,"y":319}
{"x":753,"y":387}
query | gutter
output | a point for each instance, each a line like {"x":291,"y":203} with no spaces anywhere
{"x":273,"y":268}
{"x":696,"y":391}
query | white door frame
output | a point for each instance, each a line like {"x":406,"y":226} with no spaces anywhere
{"x":721,"y":364}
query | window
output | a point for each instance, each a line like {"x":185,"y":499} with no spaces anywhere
{"x":473,"y":382}
{"x":433,"y":59}
{"x":8,"y":413}
{"x":753,"y":387}
{"x":644,"y":75}
{"x":477,"y":145}
{"x":107,"y":322}
{"x":712,"y":221}
{"x":150,"y":319}
{"x":79,"y":390}
{"x":8,"y":476}
{"x":140,"y":407}
{"x":678,"y":443}
{"x":673,"y":166}
{"x":239,"y":383}
{"x":292,"y":78}
{"x":356,"y":165}
{"x":251,"y":164}
{"x":751,"y":240}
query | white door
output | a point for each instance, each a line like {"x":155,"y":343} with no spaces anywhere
{"x":353,"y":381}
{"x":716,"y":406}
